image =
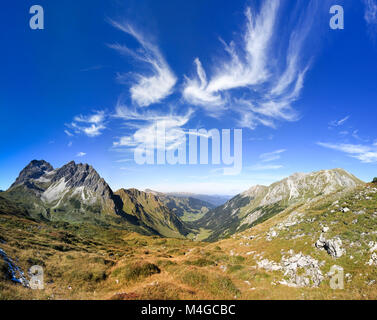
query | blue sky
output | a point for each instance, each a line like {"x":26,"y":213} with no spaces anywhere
{"x":94,"y":82}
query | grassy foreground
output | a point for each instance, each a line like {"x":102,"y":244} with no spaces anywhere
{"x":84,"y":261}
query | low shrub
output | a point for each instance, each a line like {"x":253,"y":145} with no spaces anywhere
{"x":136,"y":271}
{"x":201,"y":262}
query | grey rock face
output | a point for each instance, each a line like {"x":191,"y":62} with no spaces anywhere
{"x":299,"y":270}
{"x":34,"y":170}
{"x":83,"y":175}
{"x":333,"y":246}
{"x":56,"y":187}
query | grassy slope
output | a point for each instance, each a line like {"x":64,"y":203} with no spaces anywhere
{"x":152,"y":212}
{"x":100,"y":263}
{"x":188,"y":209}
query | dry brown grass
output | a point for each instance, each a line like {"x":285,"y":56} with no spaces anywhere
{"x":87,"y":262}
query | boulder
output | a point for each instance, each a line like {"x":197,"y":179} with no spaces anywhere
{"x":332,"y":246}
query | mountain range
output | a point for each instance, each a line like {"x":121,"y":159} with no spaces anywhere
{"x":260,"y":203}
{"x":77,"y":193}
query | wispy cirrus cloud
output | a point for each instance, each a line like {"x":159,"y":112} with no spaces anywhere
{"x":269,"y":80}
{"x":370,"y":14}
{"x":152,"y":128}
{"x":241,"y":69}
{"x":364,"y":153}
{"x":265,"y":159}
{"x":68,"y":133}
{"x":338,"y":123}
{"x":272,"y":156}
{"x":81,"y":154}
{"x":265,"y":167}
{"x":91,"y":125}
{"x":149,"y":88}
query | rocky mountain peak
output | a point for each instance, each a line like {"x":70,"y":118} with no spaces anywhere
{"x":34,"y":170}
{"x":309,"y":185}
{"x":82,"y":175}
{"x":254,"y":191}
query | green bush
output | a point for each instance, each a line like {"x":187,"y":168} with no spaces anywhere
{"x":223,"y":285}
{"x":34,"y":261}
{"x":374,"y":180}
{"x":195,"y":279}
{"x":3,"y":270}
{"x":166,"y":263}
{"x":136,"y":271}
{"x":235,"y":268}
{"x":201,"y":262}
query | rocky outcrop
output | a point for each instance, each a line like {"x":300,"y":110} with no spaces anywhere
{"x":71,"y":189}
{"x":15,"y":272}
{"x":83,"y":175}
{"x":33,"y":171}
{"x":332,"y":246}
{"x":299,"y":270}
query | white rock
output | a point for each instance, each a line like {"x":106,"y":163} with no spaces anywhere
{"x":333,"y":246}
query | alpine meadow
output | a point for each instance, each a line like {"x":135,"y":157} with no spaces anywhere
{"x":188,"y":150}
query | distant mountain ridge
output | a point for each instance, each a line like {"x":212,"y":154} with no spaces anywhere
{"x":186,"y":206}
{"x":214,"y":200}
{"x":260,"y":203}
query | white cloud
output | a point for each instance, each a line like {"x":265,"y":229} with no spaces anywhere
{"x":81,"y":154}
{"x":338,"y":123}
{"x":263,"y":167}
{"x":366,"y":154}
{"x":370,"y":14}
{"x":196,"y":91}
{"x":270,"y":84}
{"x":156,"y":86}
{"x":268,"y":157}
{"x":69,"y":134}
{"x":70,"y":144}
{"x":238,"y":71}
{"x":96,"y":118}
{"x":91,"y":125}
{"x":124,"y":160}
{"x":271,"y":156}
{"x":151,"y":127}
{"x":355,"y":135}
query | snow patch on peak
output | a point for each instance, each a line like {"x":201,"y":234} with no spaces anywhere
{"x":55,"y":192}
